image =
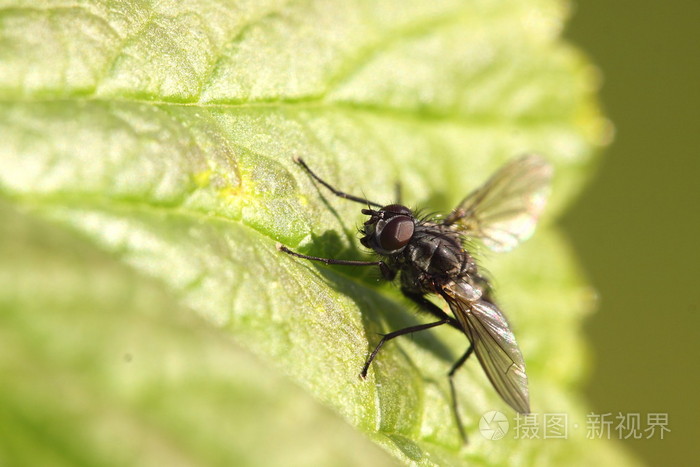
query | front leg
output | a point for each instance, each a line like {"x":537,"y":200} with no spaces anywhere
{"x":342,"y":262}
{"x":388,"y":273}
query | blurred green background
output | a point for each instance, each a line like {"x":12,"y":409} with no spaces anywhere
{"x":636,"y":227}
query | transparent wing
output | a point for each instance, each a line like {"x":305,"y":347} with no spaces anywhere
{"x":494,"y":346}
{"x":504,"y":211}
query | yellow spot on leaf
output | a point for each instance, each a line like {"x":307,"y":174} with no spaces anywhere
{"x":202,"y":179}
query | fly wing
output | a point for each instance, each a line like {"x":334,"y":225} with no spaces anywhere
{"x":494,"y":345}
{"x":504,"y":210}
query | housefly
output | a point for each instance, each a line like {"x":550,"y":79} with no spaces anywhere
{"x":428,"y":256}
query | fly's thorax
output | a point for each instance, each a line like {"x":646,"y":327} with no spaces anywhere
{"x":437,"y":251}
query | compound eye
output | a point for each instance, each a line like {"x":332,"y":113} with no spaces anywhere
{"x":396,"y":233}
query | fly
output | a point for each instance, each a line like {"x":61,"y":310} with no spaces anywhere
{"x":429,"y":257}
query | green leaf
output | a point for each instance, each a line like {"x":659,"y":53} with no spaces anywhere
{"x":102,"y":367}
{"x":147,"y":174}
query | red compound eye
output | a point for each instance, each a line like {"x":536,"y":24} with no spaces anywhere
{"x":396,"y":233}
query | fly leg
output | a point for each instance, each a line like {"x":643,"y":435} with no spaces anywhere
{"x":429,"y":307}
{"x":338,"y":193}
{"x":458,"y":364}
{"x":398,"y":193}
{"x":387,"y":272}
{"x":391,"y":335}
{"x":342,"y":262}
{"x":425,"y":305}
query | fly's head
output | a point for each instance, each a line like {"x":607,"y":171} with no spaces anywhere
{"x":388,"y":230}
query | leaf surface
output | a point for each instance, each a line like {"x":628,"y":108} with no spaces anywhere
{"x":159,"y":137}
